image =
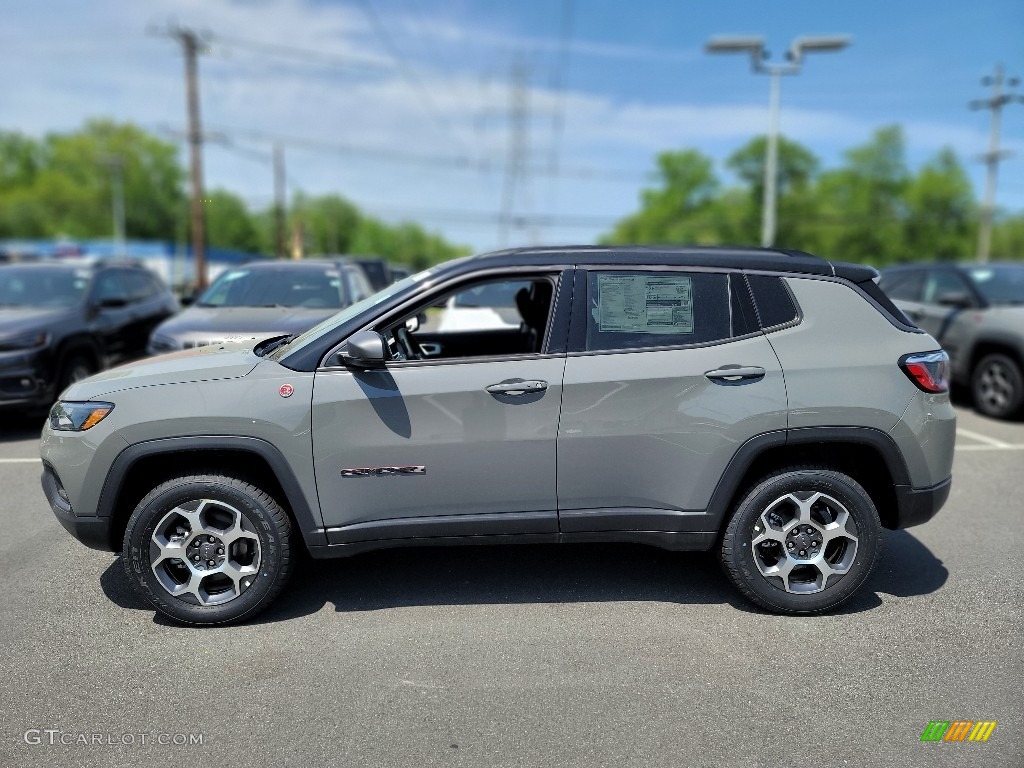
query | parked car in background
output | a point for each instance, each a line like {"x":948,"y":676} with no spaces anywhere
{"x":61,"y":322}
{"x":399,"y":272}
{"x":976,"y":312}
{"x":377,"y":270}
{"x":263,"y":299}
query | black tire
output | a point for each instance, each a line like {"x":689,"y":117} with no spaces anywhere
{"x":997,"y":386}
{"x":263,"y":520}
{"x":741,"y":563}
{"x":75,"y":367}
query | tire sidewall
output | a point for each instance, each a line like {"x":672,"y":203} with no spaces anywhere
{"x":737,"y":554}
{"x":259,"y":516}
{"x":1018,"y":383}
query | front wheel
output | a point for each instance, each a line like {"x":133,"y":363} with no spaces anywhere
{"x":997,"y":386}
{"x":801,"y":541}
{"x":208,"y":549}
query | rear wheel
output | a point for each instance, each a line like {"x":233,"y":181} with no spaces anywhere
{"x":802,"y":540}
{"x":208,"y":549}
{"x":997,"y":386}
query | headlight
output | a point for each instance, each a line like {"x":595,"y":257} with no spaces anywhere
{"x":25,"y":341}
{"x":67,"y":416}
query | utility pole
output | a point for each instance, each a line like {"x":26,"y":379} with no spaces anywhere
{"x":994,"y":155}
{"x":191,"y":47}
{"x":754,"y":47}
{"x":518,"y":145}
{"x":279,"y":199}
{"x":116,"y":165}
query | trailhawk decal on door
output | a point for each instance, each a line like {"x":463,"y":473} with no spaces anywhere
{"x":384,"y":471}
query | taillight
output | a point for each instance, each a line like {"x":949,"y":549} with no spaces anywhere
{"x":928,"y":370}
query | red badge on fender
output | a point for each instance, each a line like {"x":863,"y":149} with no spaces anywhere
{"x":286,"y":390}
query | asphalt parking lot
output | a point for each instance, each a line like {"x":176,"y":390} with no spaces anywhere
{"x":582,"y":656}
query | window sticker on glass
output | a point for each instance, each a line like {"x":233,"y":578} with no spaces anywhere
{"x":645,"y":303}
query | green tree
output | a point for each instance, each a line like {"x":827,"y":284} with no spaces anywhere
{"x":941,"y":214}
{"x":229,"y":223}
{"x":62,"y":185}
{"x":680,"y":209}
{"x":863,"y":204}
{"x":797,"y":169}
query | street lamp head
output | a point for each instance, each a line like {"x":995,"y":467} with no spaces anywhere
{"x":817,"y":44}
{"x":751,"y":44}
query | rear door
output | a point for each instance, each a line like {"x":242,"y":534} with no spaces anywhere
{"x":667,"y":375}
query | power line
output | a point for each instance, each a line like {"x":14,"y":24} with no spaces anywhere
{"x":301,"y":54}
{"x":404,"y":157}
{"x":414,"y":80}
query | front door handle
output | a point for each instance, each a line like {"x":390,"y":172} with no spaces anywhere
{"x":517,"y":387}
{"x":735,"y":374}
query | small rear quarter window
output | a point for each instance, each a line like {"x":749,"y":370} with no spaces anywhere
{"x":774,"y":302}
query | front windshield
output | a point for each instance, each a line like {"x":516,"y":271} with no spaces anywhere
{"x":299,"y":286}
{"x":350,"y":312}
{"x":42,"y":287}
{"x":999,"y":283}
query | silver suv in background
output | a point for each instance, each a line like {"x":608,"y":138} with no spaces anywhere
{"x":769,"y":405}
{"x":263,"y":299}
{"x":976,"y":312}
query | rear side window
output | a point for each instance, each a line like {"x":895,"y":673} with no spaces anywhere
{"x":630,"y":310}
{"x":774,"y":302}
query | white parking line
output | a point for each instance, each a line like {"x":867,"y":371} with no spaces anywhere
{"x":1003,"y":447}
{"x":991,"y":441}
{"x":20,"y":461}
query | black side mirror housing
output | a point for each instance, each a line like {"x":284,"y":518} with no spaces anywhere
{"x":364,"y":350}
{"x":956,"y":299}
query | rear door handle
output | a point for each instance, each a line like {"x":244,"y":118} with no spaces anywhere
{"x":517,"y":387}
{"x":734,"y":374}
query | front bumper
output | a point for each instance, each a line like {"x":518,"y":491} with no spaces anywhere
{"x":24,"y":380}
{"x":92,"y":531}
{"x":918,"y":505}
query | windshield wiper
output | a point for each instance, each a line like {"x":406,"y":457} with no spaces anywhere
{"x":271,"y":344}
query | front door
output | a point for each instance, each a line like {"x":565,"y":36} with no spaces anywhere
{"x":435,"y":446}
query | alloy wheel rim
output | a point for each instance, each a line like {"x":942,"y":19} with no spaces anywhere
{"x":995,"y":386}
{"x":804,"y":542}
{"x":205,"y":552}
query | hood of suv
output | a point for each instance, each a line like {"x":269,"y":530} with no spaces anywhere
{"x":225,"y":361}
{"x":213,"y":324}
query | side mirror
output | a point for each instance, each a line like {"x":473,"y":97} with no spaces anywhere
{"x":956,"y":299}
{"x":364,"y":350}
{"x":187,"y":300}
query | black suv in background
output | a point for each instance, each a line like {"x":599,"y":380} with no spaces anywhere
{"x":976,"y":312}
{"x":61,"y":322}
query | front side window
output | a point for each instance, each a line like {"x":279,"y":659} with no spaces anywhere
{"x":630,"y":310}
{"x":504,"y":316}
{"x":942,"y":282}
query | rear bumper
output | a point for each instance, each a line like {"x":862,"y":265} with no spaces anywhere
{"x":919,"y":505}
{"x":94,"y":532}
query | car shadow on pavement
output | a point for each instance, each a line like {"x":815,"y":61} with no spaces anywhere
{"x":580,"y":573}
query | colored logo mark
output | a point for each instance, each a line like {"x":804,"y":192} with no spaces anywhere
{"x":958,"y":730}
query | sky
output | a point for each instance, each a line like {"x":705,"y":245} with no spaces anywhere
{"x":407,"y":107}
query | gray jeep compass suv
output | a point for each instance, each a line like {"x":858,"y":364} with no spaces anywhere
{"x":771,"y":405}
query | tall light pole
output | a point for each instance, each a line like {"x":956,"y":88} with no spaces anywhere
{"x":754,"y":47}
